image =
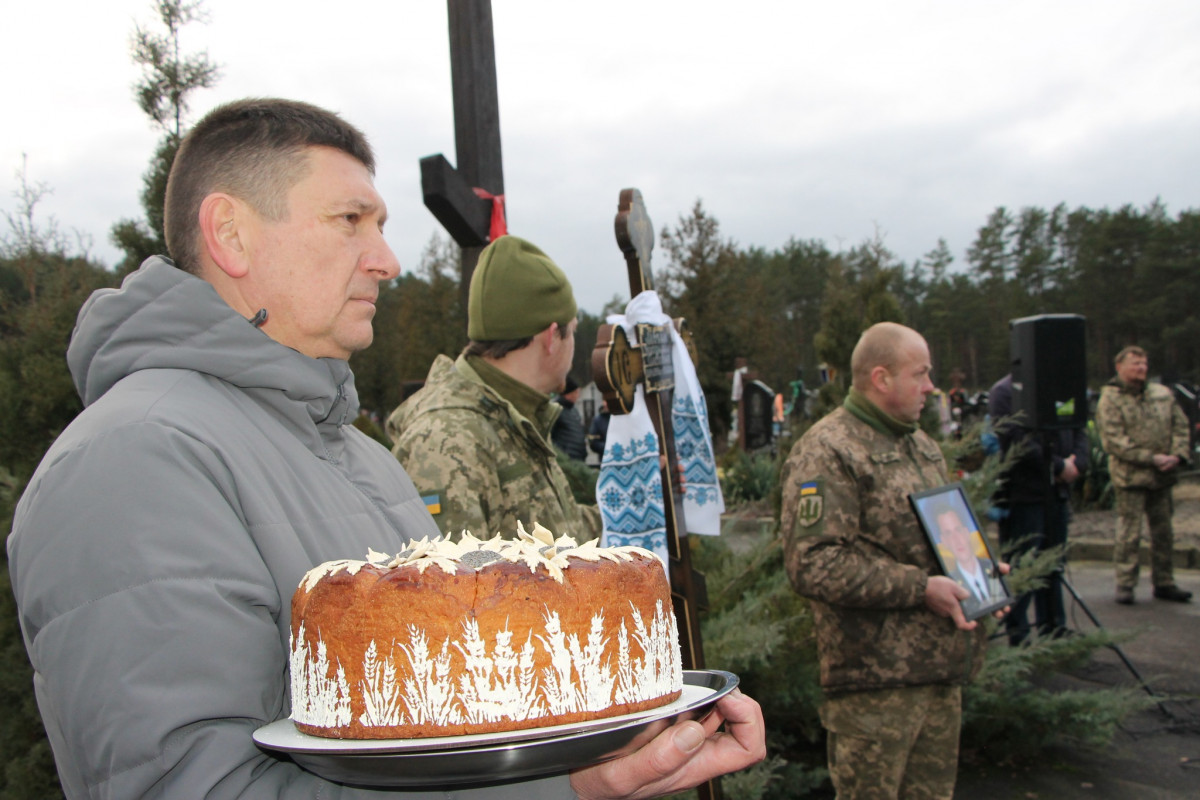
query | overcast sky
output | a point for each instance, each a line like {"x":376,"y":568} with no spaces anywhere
{"x":829,"y":120}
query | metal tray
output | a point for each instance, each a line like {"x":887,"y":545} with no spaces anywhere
{"x":489,"y":758}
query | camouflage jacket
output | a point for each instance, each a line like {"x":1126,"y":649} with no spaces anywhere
{"x":480,"y":465}
{"x":1134,"y":426}
{"x":853,"y":546}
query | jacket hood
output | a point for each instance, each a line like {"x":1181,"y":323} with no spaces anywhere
{"x":165,"y":318}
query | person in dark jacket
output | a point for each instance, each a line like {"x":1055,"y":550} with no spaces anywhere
{"x":1034,"y":499}
{"x":156,"y":549}
{"x":567,"y":433}
{"x":598,"y":430}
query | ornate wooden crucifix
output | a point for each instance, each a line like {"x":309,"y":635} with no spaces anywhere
{"x":468,"y":201}
{"x":618,"y":365}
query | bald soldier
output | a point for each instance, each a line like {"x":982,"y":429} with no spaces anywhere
{"x":894,"y":646}
{"x":476,"y":438}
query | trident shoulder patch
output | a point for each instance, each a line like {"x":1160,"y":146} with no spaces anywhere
{"x":811,"y":504}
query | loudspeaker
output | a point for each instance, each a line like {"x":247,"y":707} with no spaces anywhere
{"x":1049,"y":369}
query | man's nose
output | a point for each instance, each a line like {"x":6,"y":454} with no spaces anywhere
{"x":382,"y":261}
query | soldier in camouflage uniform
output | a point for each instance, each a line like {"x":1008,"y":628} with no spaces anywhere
{"x":476,"y":438}
{"x":1146,"y":437}
{"x":894,"y":645}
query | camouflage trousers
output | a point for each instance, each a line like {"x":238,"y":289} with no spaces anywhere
{"x":1155,"y":506}
{"x":894,"y":743}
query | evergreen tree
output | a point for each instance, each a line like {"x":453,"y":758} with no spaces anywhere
{"x":857,"y":296}
{"x":789,"y":311}
{"x":42,"y":285}
{"x":418,"y":316}
{"x":169,"y":77}
{"x":707,"y":282}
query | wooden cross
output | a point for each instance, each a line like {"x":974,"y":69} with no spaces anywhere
{"x":449,"y":193}
{"x":618,"y":365}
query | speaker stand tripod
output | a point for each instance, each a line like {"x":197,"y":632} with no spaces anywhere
{"x":1116,"y":648}
{"x":1048,"y":445}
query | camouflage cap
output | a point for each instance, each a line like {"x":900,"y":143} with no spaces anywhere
{"x":516,"y":291}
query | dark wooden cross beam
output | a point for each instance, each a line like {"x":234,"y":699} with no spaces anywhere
{"x":448,"y":192}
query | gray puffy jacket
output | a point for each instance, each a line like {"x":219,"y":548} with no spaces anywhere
{"x":156,"y":549}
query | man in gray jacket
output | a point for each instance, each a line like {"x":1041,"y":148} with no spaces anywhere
{"x":156,"y":549}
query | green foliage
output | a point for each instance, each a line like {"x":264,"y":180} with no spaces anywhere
{"x":42,"y":286}
{"x":140,"y":240}
{"x":774,"y":778}
{"x":169,"y":78}
{"x":418,"y":317}
{"x":585,"y":342}
{"x":1132,"y":273}
{"x":1030,"y":570}
{"x":371,"y":428}
{"x":757,"y":627}
{"x":857,"y":295}
{"x":746,"y":478}
{"x":580,"y":476}
{"x":1095,"y":490}
{"x":1010,"y":714}
{"x":967,"y":462}
{"x":707,"y":283}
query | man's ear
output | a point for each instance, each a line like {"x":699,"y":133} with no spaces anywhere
{"x":549,"y":336}
{"x":223,"y":221}
{"x":881,"y":379}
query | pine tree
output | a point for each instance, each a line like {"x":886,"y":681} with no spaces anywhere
{"x":168,"y":79}
{"x":42,"y":285}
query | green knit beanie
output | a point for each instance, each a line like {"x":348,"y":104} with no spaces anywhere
{"x":516,"y":291}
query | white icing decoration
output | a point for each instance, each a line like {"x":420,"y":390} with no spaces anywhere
{"x":536,"y":549}
{"x":315,"y":574}
{"x":495,"y":684}
{"x":316,"y":698}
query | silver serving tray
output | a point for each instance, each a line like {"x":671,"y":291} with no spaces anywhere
{"x":493,"y":757}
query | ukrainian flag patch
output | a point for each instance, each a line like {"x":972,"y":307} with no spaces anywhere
{"x":811,"y":505}
{"x":433,"y":503}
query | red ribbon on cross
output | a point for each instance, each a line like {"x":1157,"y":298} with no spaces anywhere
{"x":499,"y":226}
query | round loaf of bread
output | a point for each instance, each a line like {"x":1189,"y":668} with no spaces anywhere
{"x":453,"y":638}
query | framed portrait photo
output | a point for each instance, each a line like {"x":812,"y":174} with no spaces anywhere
{"x":963,"y":553}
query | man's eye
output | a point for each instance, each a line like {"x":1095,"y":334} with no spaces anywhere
{"x":352,"y":218}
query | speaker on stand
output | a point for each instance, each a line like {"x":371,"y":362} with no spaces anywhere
{"x":1049,"y":369}
{"x":1049,"y":379}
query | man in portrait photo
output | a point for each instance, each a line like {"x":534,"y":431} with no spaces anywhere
{"x":965,"y":566}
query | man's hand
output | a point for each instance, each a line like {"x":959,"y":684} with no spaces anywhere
{"x":685,"y":755}
{"x":1164,"y":463}
{"x":1069,"y":471}
{"x":1005,"y":568}
{"x":680,"y":477}
{"x":943,"y":596}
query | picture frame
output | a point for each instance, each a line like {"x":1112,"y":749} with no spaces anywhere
{"x":957,"y":540}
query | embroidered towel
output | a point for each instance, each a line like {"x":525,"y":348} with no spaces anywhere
{"x":629,"y":490}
